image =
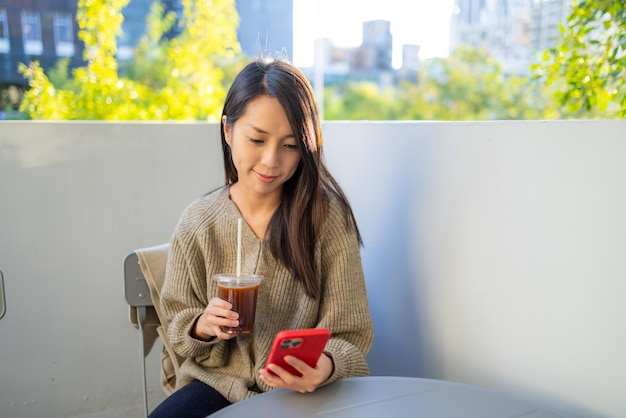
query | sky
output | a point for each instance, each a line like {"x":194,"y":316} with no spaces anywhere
{"x":422,"y":22}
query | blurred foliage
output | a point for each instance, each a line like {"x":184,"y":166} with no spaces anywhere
{"x":182,"y":78}
{"x":588,"y":67}
{"x":186,"y":76}
{"x":467,"y":85}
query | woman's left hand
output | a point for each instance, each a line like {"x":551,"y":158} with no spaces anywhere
{"x":309,"y":381}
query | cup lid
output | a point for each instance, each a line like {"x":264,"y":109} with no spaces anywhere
{"x":243,"y":280}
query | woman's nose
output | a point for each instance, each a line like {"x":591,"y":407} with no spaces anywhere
{"x":270,"y":157}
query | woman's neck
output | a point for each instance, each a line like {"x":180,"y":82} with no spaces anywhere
{"x":256,"y":210}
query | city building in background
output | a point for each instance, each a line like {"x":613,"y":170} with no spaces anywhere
{"x":134,"y":25}
{"x":369,"y":61}
{"x":546,"y":18}
{"x":512,"y":31}
{"x":410,"y":63}
{"x":375,"y":52}
{"x":266,"y":28}
{"x":35,"y":30}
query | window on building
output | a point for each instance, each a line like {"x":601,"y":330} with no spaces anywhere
{"x":5,"y":46}
{"x":63,"y":35}
{"x":31,"y":33}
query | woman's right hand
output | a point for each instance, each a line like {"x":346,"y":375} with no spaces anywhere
{"x":217,"y":314}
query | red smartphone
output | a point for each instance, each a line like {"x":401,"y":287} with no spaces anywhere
{"x":304,"y":344}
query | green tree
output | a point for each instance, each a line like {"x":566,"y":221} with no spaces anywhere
{"x":588,"y":67}
{"x":359,"y":101}
{"x":188,"y":78}
{"x":467,"y":85}
{"x":472,"y":85}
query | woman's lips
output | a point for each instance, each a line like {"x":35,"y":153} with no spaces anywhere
{"x":264,"y":178}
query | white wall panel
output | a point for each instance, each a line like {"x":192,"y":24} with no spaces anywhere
{"x":494,"y":254}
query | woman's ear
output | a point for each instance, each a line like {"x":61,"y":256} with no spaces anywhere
{"x":227,"y":129}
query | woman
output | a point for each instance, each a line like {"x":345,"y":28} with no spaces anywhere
{"x":299,"y":233}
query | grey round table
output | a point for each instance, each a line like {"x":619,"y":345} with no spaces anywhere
{"x":378,"y":396}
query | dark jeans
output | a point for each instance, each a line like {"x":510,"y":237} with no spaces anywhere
{"x":193,"y":400}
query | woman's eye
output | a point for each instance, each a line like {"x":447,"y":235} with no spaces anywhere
{"x":256,"y":141}
{"x":291,"y":147}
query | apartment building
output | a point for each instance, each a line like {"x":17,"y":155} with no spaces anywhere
{"x":36,"y":30}
{"x":513,"y":31}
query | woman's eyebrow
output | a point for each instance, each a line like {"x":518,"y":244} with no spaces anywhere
{"x":263,"y":131}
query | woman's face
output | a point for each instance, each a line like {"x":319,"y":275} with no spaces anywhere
{"x":263,"y":147}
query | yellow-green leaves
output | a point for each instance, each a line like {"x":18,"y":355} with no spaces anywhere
{"x":182,"y":78}
{"x":588,"y":68}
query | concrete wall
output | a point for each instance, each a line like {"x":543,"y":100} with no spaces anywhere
{"x":494,"y":254}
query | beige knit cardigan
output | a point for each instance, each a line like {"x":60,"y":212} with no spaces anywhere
{"x":204,"y":243}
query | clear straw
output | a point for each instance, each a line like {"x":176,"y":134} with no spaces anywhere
{"x":238,"y":247}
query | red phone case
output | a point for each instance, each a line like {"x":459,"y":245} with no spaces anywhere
{"x":305,"y":344}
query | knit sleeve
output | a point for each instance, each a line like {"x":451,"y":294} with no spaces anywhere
{"x":344,"y":303}
{"x":184,"y":295}
{"x":183,"y":301}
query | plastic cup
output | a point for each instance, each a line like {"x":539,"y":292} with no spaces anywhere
{"x":242,"y":292}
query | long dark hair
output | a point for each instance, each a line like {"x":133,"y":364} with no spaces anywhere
{"x":299,"y":219}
